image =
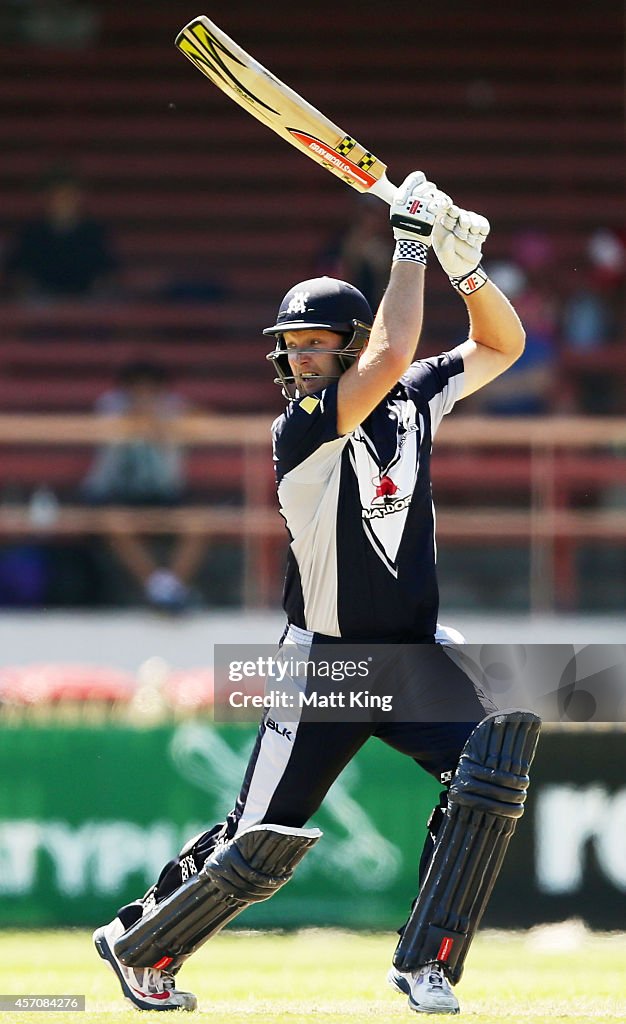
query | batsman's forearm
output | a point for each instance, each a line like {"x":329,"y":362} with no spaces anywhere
{"x":493,"y":321}
{"x":389,"y":351}
{"x":398,"y":322}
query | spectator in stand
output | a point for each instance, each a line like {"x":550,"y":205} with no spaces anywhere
{"x":593,"y":317}
{"x":68,"y":24}
{"x":62,"y":253}
{"x":594,"y":314}
{"x":146,"y":471}
{"x":362,"y":253}
{"x":528,"y":387}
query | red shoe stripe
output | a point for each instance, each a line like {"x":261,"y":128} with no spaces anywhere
{"x":165,"y":961}
{"x":152,"y":995}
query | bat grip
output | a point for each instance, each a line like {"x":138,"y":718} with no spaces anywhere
{"x":383,"y":189}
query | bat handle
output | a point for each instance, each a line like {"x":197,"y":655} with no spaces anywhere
{"x":383,"y":189}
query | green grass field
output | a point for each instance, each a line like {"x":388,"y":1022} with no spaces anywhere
{"x":329,"y":976}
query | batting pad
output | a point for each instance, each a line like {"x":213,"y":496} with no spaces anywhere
{"x":248,"y":869}
{"x":486,"y":799}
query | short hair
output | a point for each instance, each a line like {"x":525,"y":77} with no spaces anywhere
{"x":140,"y":370}
{"x":58,"y":176}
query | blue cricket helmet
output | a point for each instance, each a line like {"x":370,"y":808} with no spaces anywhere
{"x":325,"y":303}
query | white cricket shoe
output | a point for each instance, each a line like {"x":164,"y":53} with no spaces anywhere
{"x":428,"y":989}
{"x":145,"y":987}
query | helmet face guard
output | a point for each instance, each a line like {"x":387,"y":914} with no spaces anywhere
{"x":327,"y":304}
{"x":346,"y":356}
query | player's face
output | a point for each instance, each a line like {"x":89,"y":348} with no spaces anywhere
{"x":311,"y":362}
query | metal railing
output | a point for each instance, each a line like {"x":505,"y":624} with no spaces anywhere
{"x":547,"y":463}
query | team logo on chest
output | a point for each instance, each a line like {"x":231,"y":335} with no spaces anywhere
{"x":386,"y":500}
{"x":386,"y":494}
{"x":386,"y":488}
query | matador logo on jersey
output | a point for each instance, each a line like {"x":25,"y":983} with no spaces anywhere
{"x":297,"y":304}
{"x":386,"y":494}
{"x":377,"y":511}
{"x":384,"y":502}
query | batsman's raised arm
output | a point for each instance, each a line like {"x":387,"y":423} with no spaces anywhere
{"x":398,"y":323}
{"x":496,"y":336}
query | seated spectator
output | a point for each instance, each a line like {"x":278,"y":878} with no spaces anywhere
{"x":527,"y":387}
{"x":70,"y":24}
{"x":62,"y":253}
{"x":362,"y":254}
{"x":593,"y":318}
{"x":146,"y":470}
{"x":593,"y":313}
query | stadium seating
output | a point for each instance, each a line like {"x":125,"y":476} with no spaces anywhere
{"x":196,"y":191}
{"x":537,"y":92}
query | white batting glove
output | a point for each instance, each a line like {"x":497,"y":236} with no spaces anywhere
{"x":413,"y":213}
{"x":458,"y":237}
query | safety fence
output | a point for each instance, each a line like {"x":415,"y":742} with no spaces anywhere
{"x":548,"y":485}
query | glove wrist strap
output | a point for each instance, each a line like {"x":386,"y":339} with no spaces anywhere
{"x":410,"y":251}
{"x":471,"y":282}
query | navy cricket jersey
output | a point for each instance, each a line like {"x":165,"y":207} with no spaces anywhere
{"x":359,"y":511}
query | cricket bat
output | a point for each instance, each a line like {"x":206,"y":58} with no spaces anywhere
{"x":273,"y":103}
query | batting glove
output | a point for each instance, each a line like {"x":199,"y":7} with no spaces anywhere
{"x":458,"y":237}
{"x":413,"y":212}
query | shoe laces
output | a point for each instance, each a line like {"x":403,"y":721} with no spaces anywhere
{"x":158,"y":981}
{"x":436,"y":977}
{"x":168,"y":980}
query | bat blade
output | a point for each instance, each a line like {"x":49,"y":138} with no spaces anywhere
{"x":273,"y":103}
